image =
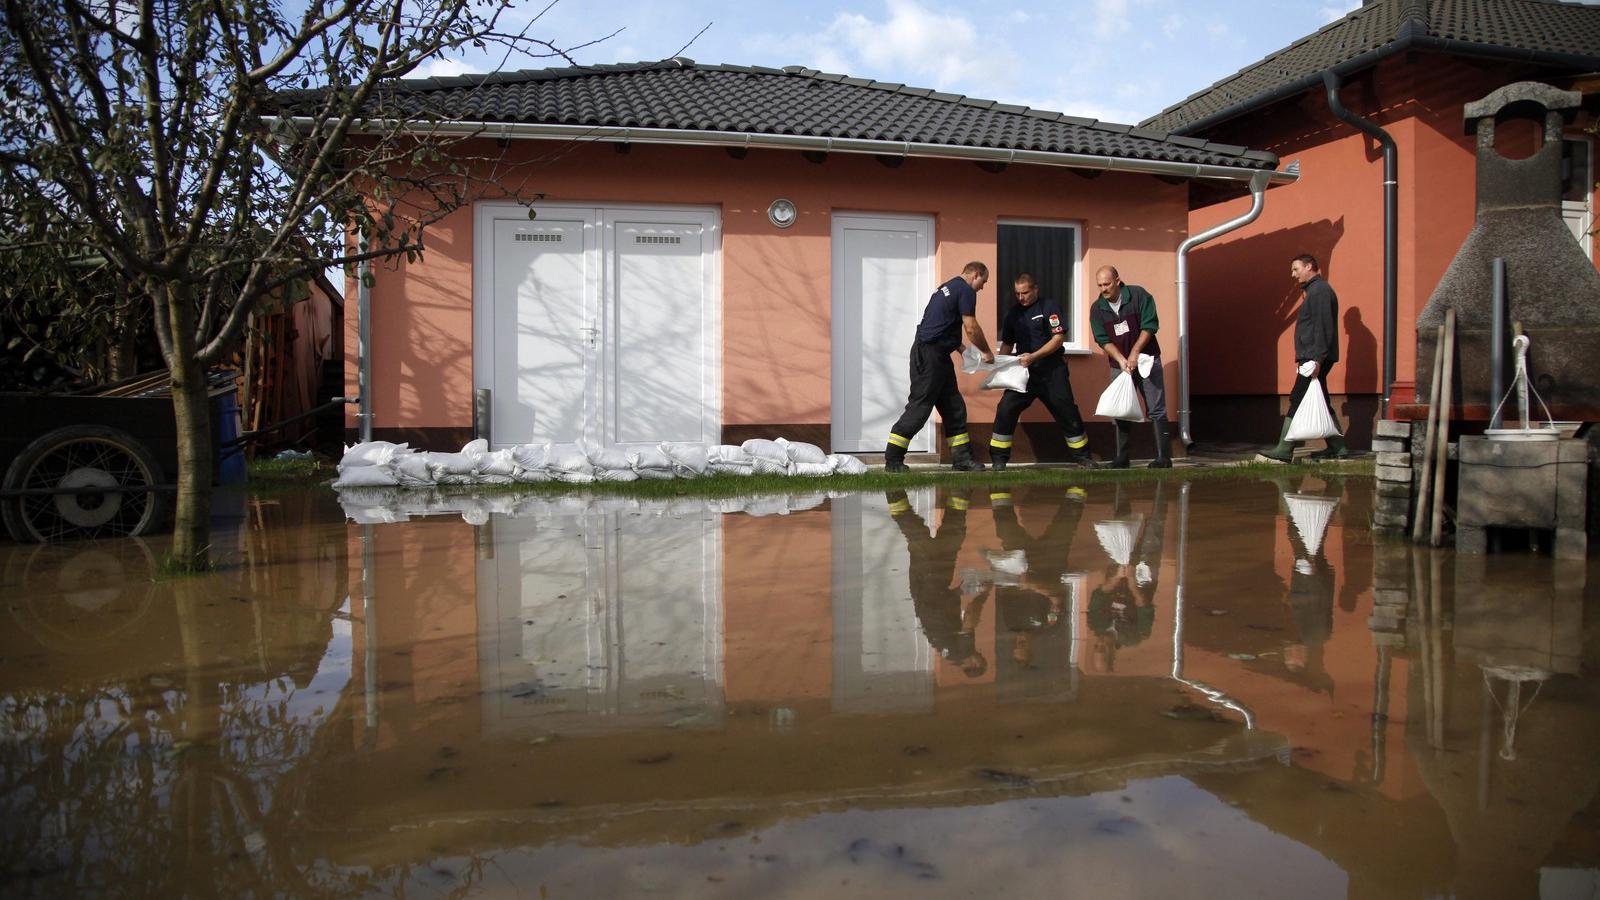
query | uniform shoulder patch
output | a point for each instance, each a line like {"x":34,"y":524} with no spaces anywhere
{"x":944,"y":289}
{"x":1055,"y":322}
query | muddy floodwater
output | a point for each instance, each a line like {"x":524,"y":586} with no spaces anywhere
{"x":1212,"y":689}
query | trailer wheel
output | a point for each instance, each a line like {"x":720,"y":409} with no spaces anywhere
{"x":72,"y":459}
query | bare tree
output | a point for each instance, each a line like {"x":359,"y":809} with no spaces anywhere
{"x":214,"y":153}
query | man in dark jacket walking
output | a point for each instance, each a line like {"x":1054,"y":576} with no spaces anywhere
{"x":1316,"y":347}
{"x":1123,"y":319}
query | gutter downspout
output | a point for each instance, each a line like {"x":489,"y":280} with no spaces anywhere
{"x":1258,"y":200}
{"x":1391,"y":242}
{"x":364,"y":345}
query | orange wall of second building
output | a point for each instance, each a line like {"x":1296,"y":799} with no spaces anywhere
{"x":1243,"y":301}
{"x":776,"y":291}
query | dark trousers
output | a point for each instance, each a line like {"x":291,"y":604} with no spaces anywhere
{"x":933,"y":384}
{"x":1302,"y":384}
{"x":1047,"y":381}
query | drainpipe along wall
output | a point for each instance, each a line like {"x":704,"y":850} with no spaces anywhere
{"x":1391,"y":188}
{"x":1258,"y":200}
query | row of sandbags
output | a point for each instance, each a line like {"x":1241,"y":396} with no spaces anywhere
{"x":381,"y":505}
{"x":382,"y":464}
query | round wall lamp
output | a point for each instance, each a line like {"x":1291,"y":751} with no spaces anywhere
{"x":782,"y":213}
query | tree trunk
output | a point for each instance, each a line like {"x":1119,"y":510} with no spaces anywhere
{"x":191,"y":528}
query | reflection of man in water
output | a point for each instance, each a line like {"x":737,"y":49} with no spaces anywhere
{"x":1035,"y":605}
{"x":1311,"y":609}
{"x":1122,"y":610}
{"x":948,"y":619}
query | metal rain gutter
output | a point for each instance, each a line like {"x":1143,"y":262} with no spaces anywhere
{"x":1391,"y":206}
{"x":364,"y":345}
{"x":743,"y":139}
{"x":1258,"y":200}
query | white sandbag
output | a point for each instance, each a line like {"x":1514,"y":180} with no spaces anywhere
{"x":495,"y":479}
{"x":371,"y":453}
{"x":800,"y":452}
{"x":530,"y":456}
{"x":1117,"y":537}
{"x":570,"y":465}
{"x":803,"y":502}
{"x":972,"y":361}
{"x":730,"y":505}
{"x":768,"y":505}
{"x":651,"y":463}
{"x":760,"y":448}
{"x":811,"y":470}
{"x":1120,"y":400}
{"x":445,"y":465}
{"x":762,"y":465}
{"x":498,"y":463}
{"x":729,"y":459}
{"x":615,"y":475}
{"x":1014,"y":562}
{"x":412,"y":469}
{"x":614,"y":458}
{"x":366,"y":476}
{"x":1008,"y":375}
{"x":530,"y":476}
{"x":688,"y":460}
{"x":844,"y":464}
{"x":1312,"y":420}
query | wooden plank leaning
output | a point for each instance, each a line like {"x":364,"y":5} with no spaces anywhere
{"x":1422,"y":514}
{"x":1441,"y":463}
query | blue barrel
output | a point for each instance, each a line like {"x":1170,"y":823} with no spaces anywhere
{"x":230,"y":460}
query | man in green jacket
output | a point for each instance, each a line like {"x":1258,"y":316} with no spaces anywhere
{"x":1123,"y":319}
{"x":1316,"y":341}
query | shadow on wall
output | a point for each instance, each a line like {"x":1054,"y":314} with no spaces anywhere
{"x":1244,"y":301}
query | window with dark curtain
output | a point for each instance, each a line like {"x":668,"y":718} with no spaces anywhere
{"x":1050,"y":254}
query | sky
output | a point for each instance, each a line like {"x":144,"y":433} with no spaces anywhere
{"x":1113,"y":60}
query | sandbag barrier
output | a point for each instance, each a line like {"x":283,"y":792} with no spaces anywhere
{"x":380,"y":464}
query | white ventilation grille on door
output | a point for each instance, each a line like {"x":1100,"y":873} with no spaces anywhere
{"x":657,"y":239}
{"x":550,"y":237}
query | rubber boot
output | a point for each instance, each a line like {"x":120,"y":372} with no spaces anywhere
{"x":1336,"y":449}
{"x":1124,"y":439}
{"x":1163,"y":435}
{"x":961,"y":459}
{"x":1284,"y":451}
{"x":998,"y":457}
{"x":894,"y":459}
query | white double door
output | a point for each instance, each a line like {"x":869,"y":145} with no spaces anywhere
{"x":882,"y":277}
{"x":598,"y":324}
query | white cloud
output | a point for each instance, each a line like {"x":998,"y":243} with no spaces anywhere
{"x":1331,"y":12}
{"x":1172,"y":26}
{"x":1111,"y":18}
{"x":911,"y":43}
{"x":444,"y":68}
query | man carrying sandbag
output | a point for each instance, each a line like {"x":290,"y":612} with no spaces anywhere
{"x":1123,"y":319}
{"x":1316,"y":349}
{"x":952,"y":313}
{"x":1034,"y":329}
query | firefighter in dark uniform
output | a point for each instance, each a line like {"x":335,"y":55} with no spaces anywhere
{"x":1035,"y":330}
{"x":1035,"y":608}
{"x":949,"y":619}
{"x":952,"y":312}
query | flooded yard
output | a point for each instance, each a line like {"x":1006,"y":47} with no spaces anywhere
{"x":1216,"y":688}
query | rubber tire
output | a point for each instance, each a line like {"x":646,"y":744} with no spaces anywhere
{"x":15,"y":512}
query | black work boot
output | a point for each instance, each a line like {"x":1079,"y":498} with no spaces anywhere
{"x":1163,"y":434}
{"x":961,"y":459}
{"x":894,"y":459}
{"x":1124,"y":438}
{"x":998,"y":459}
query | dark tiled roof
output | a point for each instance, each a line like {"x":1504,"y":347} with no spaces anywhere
{"x":681,"y":94}
{"x":1563,"y":34}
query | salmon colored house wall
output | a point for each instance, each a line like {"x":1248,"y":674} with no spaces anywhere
{"x":1243,"y":301}
{"x":776,"y":291}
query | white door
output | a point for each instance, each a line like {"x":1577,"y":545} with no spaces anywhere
{"x":882,"y":277}
{"x":661,"y":328}
{"x":598,"y":324}
{"x":535,"y":341}
{"x":881,"y":661}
